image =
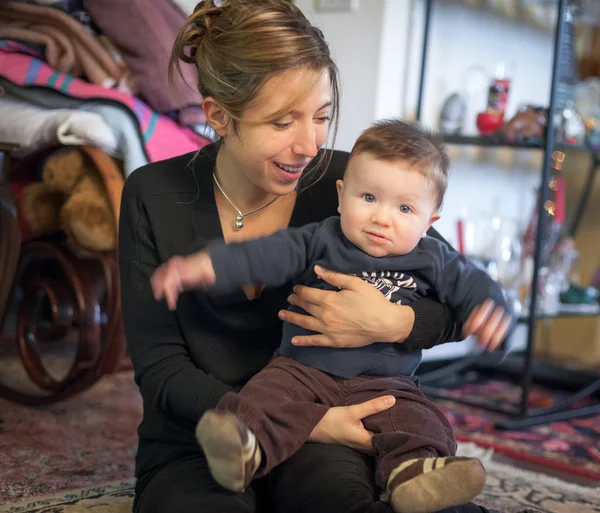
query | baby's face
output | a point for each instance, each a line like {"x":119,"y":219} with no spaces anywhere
{"x":385,"y":207}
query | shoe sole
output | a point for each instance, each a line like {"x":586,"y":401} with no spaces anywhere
{"x":220,"y":439}
{"x":439,"y":487}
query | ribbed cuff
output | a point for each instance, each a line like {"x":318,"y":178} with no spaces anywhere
{"x":431,"y":325}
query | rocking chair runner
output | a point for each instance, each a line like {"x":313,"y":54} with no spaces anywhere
{"x":81,"y":287}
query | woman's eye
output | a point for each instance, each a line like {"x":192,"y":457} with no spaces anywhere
{"x":324,"y":119}
{"x":405,"y":209}
{"x":281,"y":126}
{"x":369,"y":198}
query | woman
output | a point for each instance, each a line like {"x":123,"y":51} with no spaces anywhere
{"x":270,"y":92}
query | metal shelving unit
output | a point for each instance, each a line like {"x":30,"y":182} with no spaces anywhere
{"x":538,"y":144}
{"x":520,"y":415}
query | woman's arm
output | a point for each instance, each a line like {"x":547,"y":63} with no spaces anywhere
{"x":359,"y":315}
{"x":434,"y":323}
{"x":167,"y":378}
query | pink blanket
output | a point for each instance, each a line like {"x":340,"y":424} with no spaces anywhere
{"x":163,"y":138}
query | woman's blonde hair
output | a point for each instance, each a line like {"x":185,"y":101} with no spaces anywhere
{"x":237,"y":45}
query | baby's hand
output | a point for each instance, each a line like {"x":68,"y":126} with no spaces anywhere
{"x":489,"y":323}
{"x":179,"y":274}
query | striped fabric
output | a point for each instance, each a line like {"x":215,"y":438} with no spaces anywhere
{"x":162,"y":137}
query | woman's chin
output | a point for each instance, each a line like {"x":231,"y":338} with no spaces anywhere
{"x":281,"y":189}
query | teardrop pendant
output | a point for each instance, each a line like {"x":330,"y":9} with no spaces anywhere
{"x":239,"y":222}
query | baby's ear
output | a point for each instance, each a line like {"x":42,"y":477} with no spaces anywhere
{"x":339,"y":184}
{"x":435,"y":217}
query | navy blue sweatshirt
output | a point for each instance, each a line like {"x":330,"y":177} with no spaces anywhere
{"x":291,"y":254}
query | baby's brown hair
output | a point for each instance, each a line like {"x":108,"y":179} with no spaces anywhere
{"x":406,"y":141}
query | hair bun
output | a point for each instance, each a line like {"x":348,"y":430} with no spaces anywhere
{"x":197,"y":27}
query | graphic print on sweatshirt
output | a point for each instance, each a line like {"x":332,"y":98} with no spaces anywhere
{"x":388,"y":282}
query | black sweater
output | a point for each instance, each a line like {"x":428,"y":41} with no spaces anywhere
{"x":186,"y":360}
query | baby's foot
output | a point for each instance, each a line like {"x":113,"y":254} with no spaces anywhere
{"x":231,"y":449}
{"x":427,"y":485}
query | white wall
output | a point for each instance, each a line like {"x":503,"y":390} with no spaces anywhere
{"x":394,"y":44}
{"x":355,"y":41}
{"x":369,"y":46}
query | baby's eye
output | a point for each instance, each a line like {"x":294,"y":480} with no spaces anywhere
{"x":405,"y":209}
{"x":369,"y":198}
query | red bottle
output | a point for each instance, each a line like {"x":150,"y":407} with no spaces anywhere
{"x":498,"y":92}
{"x":490,"y":120}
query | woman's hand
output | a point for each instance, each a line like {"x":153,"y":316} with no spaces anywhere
{"x":489,"y":323}
{"x":342,"y":425}
{"x":355,"y":316}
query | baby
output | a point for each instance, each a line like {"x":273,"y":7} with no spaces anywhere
{"x":391,"y":193}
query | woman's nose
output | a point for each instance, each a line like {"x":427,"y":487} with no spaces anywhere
{"x":305,"y":142}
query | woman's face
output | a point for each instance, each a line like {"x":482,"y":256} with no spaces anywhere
{"x":273,"y":155}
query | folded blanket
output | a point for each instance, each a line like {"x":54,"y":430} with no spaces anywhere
{"x":35,"y":128}
{"x":130,"y":146}
{"x":69,"y":47}
{"x":159,"y":136}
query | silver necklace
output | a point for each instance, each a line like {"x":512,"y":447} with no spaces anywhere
{"x":239,"y":220}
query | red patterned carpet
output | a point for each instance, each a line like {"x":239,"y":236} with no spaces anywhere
{"x":573,"y":446}
{"x":87,"y":440}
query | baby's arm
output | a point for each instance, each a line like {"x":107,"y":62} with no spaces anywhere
{"x":269,"y":261}
{"x":179,"y":274}
{"x":476,"y":299}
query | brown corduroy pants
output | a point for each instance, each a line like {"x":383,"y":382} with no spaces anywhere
{"x":283,"y":403}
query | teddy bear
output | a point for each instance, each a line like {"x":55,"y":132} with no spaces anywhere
{"x":79,"y":194}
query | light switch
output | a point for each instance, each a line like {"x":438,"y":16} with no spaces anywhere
{"x":336,"y":5}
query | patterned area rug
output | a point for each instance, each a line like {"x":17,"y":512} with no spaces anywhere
{"x":508,"y":490}
{"x":85,"y":441}
{"x":573,"y":446}
{"x":77,"y":457}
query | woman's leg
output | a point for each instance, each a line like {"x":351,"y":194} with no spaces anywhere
{"x":322,"y":478}
{"x":186,"y":486}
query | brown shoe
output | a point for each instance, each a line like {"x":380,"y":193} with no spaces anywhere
{"x":231,"y":449}
{"x":426,"y":485}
